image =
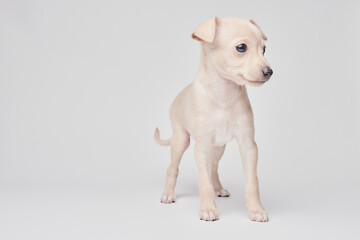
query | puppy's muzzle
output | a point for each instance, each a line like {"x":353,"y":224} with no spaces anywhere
{"x":267,"y":72}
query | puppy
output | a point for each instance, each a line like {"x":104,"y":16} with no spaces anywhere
{"x":215,"y":108}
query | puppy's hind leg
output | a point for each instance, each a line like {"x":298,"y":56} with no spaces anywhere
{"x":219,"y":190}
{"x":179,"y":143}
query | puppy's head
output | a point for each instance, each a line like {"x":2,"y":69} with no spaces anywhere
{"x":235,"y":48}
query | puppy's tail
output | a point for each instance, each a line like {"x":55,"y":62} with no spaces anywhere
{"x":159,"y":140}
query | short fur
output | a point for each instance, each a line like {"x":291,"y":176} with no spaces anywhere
{"x":215,"y":108}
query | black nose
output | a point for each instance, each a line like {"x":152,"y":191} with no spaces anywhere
{"x":267,"y":72}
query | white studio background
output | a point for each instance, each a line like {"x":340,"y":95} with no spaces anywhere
{"x":83,"y":84}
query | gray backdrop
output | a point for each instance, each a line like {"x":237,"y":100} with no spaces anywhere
{"x":83,"y":84}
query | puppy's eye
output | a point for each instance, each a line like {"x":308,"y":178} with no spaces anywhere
{"x":241,"y":47}
{"x":264,"y":50}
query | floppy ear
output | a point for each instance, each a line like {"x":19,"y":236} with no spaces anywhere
{"x":206,"y":31}
{"x":256,"y":25}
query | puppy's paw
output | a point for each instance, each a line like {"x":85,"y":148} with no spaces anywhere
{"x":222,"y":193}
{"x":209,"y":215}
{"x":258,"y":215}
{"x":168,"y":198}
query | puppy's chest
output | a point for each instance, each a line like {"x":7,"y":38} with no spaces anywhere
{"x":223,"y":128}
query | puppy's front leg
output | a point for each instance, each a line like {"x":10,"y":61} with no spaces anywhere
{"x":249,"y":155}
{"x":203,"y":153}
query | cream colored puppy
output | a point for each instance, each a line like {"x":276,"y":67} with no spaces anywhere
{"x":215,"y":108}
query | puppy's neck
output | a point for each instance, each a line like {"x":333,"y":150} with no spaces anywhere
{"x":219,"y":89}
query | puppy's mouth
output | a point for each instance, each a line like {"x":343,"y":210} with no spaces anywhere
{"x":253,"y":82}
{"x":260,"y":82}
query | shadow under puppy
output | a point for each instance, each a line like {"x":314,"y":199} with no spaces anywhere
{"x":215,"y":108}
